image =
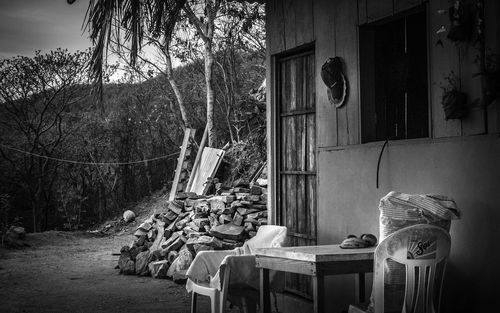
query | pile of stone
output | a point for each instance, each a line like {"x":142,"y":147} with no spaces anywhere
{"x":169,"y":240}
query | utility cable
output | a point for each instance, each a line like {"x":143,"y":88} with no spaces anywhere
{"x":89,"y":163}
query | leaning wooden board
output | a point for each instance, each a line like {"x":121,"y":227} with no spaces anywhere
{"x":210,"y":161}
{"x":188,"y":134}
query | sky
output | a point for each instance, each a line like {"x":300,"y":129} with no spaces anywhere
{"x":30,"y":25}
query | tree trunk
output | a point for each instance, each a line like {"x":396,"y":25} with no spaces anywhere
{"x":175,"y":88}
{"x":209,"y":63}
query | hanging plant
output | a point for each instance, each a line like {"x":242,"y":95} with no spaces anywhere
{"x":453,"y":100}
{"x":461,"y":22}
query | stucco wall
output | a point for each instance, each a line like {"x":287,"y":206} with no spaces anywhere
{"x":465,"y":168}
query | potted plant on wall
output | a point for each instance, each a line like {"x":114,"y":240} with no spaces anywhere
{"x":454,"y":101}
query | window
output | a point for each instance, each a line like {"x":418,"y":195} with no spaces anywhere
{"x":394,"y":83}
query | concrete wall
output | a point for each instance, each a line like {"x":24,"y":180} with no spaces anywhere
{"x":464,"y":168}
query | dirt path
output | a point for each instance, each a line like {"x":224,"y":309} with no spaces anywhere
{"x":74,"y":272}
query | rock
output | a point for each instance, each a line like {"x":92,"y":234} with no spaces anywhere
{"x":201,"y":222}
{"x":139,"y":242}
{"x":141,"y":263}
{"x":192,"y":228}
{"x":146,"y":226}
{"x":228,"y":231}
{"x":156,"y":255}
{"x":262,"y":221}
{"x":182,"y":223}
{"x":263,"y":198}
{"x":176,"y":206}
{"x":128,"y":216}
{"x":262,"y":182}
{"x":216,"y":204}
{"x":252,"y":198}
{"x":204,"y":240}
{"x":138,"y":233}
{"x":228,"y":210}
{"x":249,"y":227}
{"x":231,"y":244}
{"x":241,"y":195}
{"x":184,"y":195}
{"x":261,"y":207}
{"x":255,"y":215}
{"x":180,"y":265}
{"x":179,"y":242}
{"x":134,"y":251}
{"x":172,"y":255}
{"x":171,"y":240}
{"x":152,"y":234}
{"x":125,"y":262}
{"x":241,"y":182}
{"x":160,"y":238}
{"x":256,"y":190}
{"x":202,"y":206}
{"x":170,"y":216}
{"x":246,"y":211}
{"x":224,"y":219}
{"x":237,"y":219}
{"x":159,"y":269}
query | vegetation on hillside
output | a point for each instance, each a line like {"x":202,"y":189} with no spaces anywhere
{"x":69,"y":159}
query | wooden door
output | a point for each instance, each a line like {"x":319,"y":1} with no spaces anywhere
{"x":296,"y":157}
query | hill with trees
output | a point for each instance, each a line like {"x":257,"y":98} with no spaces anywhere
{"x":71,"y":157}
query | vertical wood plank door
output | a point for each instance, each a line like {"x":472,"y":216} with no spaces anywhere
{"x":296,"y":155}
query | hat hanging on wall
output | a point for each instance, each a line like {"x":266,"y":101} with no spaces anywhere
{"x":335,"y":81}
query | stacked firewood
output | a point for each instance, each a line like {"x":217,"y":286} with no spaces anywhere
{"x":168,"y":241}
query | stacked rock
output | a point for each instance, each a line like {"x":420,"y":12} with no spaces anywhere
{"x":168,"y":241}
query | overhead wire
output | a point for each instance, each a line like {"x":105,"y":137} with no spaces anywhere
{"x":89,"y":163}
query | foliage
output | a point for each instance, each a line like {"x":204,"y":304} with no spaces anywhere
{"x":66,"y":164}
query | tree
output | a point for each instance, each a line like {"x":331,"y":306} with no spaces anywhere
{"x":158,"y":19}
{"x":35,"y":94}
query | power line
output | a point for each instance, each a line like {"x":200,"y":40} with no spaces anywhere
{"x":88,"y":163}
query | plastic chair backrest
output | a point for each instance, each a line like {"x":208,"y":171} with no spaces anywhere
{"x":420,"y":248}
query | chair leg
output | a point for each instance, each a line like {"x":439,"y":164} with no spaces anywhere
{"x":215,"y":304}
{"x":194,"y":299}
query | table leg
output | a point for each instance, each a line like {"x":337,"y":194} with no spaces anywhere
{"x":361,"y":286}
{"x":318,"y":294}
{"x":265,"y":299}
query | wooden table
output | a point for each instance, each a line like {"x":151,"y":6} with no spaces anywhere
{"x":315,"y":261}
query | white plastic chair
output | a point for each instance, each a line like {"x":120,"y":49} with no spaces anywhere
{"x":420,"y":248}
{"x":232,"y":273}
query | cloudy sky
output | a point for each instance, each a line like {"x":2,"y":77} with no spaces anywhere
{"x":29,"y":25}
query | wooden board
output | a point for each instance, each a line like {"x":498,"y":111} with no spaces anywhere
{"x":402,"y":5}
{"x":275,"y":27}
{"x":188,"y":134}
{"x":196,"y":164}
{"x":210,"y":161}
{"x":305,"y":24}
{"x":290,"y":20}
{"x":324,"y":26}
{"x":378,"y":9}
{"x":346,"y":37}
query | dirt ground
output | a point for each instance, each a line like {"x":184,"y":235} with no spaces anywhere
{"x":75,"y":272}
